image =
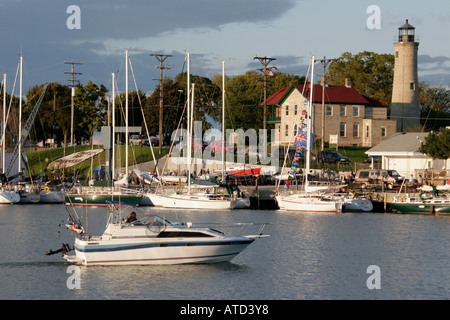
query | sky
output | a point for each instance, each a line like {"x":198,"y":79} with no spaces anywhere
{"x":213,"y":31}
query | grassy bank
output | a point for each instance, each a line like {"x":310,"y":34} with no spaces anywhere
{"x":38,"y":160}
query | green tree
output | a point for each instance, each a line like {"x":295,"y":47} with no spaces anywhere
{"x":370,"y":73}
{"x":174,"y":101}
{"x":90,"y":110}
{"x":437,"y":146}
{"x":245,"y":95}
{"x":53,"y":118}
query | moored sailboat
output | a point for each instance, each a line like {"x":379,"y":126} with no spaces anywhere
{"x":190,"y":200}
{"x":433,"y":200}
{"x":118,"y":191}
{"x":306,"y":200}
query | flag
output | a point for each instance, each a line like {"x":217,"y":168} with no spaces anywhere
{"x":301,"y":140}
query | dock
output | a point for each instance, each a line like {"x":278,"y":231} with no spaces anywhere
{"x":263,"y":197}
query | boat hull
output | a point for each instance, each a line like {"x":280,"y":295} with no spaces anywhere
{"x":421,"y":208}
{"x":311,"y":204}
{"x":242,"y":171}
{"x":357,"y":205}
{"x":100,"y":200}
{"x":190,"y":202}
{"x":157,"y":252}
{"x":9,"y":197}
{"x":26,"y":197}
{"x":52,"y":197}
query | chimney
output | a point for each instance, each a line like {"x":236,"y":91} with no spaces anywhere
{"x":348,"y":82}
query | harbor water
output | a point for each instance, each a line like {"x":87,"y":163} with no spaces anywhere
{"x":307,"y":256}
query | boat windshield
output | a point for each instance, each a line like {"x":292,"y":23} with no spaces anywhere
{"x":154,"y":220}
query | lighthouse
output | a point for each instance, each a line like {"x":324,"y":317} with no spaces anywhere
{"x":405,"y":88}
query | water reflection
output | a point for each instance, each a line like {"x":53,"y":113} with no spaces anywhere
{"x":307,"y":256}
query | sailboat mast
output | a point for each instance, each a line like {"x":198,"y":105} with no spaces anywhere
{"x":308,"y":139}
{"x":223,"y":121}
{"x":188,"y":120}
{"x":4,"y":123}
{"x":126,"y":113}
{"x":19,"y":160}
{"x":113,"y":77}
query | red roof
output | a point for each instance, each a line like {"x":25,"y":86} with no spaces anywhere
{"x":333,"y":94}
{"x":276,"y":97}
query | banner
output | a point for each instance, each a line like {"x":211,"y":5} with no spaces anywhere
{"x":301,"y":140}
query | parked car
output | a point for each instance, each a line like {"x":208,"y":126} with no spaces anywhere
{"x":378,"y":176}
{"x":136,"y":140}
{"x":154,"y":140}
{"x":332,"y":157}
{"x":375,"y":159}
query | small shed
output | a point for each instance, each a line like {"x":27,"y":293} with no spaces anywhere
{"x":401,"y":152}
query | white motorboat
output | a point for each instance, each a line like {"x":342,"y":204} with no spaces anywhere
{"x":241,"y":202}
{"x":150,"y":239}
{"x":353,"y":203}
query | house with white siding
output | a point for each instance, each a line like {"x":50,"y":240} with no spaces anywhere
{"x":401,"y":152}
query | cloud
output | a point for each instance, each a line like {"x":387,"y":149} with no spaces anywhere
{"x":434,"y":70}
{"x":427,"y":63}
{"x":45,"y":20}
{"x":38,"y":28}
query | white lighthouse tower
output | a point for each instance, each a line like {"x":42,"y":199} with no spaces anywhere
{"x":405,"y":88}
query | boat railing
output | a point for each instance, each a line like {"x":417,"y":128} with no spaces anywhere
{"x":95,"y":190}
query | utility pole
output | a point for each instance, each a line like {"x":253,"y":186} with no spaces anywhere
{"x":72,"y":81}
{"x":266,"y":71}
{"x":161,"y":58}
{"x":325,"y":63}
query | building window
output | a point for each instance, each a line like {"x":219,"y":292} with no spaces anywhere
{"x":356,"y":111}
{"x":367,"y":131}
{"x":286,"y":131}
{"x":342,"y":112}
{"x":287,"y":110}
{"x":412,"y":86}
{"x":329,"y":111}
{"x":396,"y":54}
{"x":295,"y":110}
{"x":355,"y":129}
{"x":342,"y":128}
{"x":383,"y":132}
{"x":295,"y":130}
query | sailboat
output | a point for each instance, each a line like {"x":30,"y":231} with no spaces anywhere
{"x":98,"y":196}
{"x":191,"y":200}
{"x":309,"y":199}
{"x":6,"y":196}
{"x":29,"y":193}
